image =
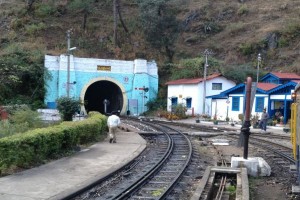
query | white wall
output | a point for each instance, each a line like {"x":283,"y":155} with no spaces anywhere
{"x":195,"y":91}
{"x":226,"y":84}
{"x":90,"y":65}
{"x":184,"y":91}
{"x":219,"y":109}
{"x":233,"y":115}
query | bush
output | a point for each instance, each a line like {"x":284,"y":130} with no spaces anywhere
{"x":283,"y":42}
{"x":21,"y":119}
{"x":241,"y":116}
{"x":243,"y":10}
{"x":247,"y":48}
{"x":44,"y":10}
{"x":26,"y":115}
{"x":35,"y":28}
{"x":8,"y":129}
{"x":34,"y":146}
{"x":67,"y":107}
{"x":156,"y":104}
{"x":179,"y":111}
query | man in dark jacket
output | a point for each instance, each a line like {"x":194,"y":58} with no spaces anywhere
{"x":263,"y":120}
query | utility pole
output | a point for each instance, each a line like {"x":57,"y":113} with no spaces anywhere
{"x":69,"y":50}
{"x":258,"y":62}
{"x":68,"y":70}
{"x":206,"y":53}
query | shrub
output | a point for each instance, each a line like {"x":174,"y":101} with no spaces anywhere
{"x":45,"y":10}
{"x":67,"y":107}
{"x":283,"y":42}
{"x":35,"y":28}
{"x":243,"y":10}
{"x":8,"y":129}
{"x":247,"y":48}
{"x":26,"y":115}
{"x":179,"y":111}
{"x":34,"y":146}
{"x":21,"y":119}
{"x":156,"y":104}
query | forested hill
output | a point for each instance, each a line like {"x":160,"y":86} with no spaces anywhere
{"x":175,"y":33}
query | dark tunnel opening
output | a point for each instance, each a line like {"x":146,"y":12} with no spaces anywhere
{"x":98,"y":92}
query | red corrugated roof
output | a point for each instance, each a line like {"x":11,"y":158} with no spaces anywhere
{"x":192,"y":81}
{"x":266,"y":86}
{"x":286,"y":75}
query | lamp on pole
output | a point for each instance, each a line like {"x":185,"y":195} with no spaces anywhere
{"x":258,"y":62}
{"x":69,"y":50}
{"x":206,"y":53}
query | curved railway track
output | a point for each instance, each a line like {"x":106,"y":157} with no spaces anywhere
{"x":158,"y":182}
{"x":161,"y":171}
{"x":279,"y":149}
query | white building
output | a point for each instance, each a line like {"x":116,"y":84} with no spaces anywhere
{"x":191,"y":93}
{"x":274,"y":93}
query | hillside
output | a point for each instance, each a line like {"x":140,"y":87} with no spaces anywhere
{"x":235,"y":31}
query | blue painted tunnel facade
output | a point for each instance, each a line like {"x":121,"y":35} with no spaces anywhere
{"x":122,"y":82}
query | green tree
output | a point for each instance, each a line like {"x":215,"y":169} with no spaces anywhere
{"x":22,"y":77}
{"x":194,"y":68}
{"x":67,"y":107}
{"x":86,"y":7}
{"x":159,"y":24}
{"x":239,"y":73}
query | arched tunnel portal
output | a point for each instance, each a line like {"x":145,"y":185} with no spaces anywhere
{"x":100,"y":91}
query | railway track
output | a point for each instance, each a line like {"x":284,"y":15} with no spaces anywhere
{"x":153,"y":175}
{"x":163,"y":171}
{"x":278,"y":149}
{"x":282,"y":155}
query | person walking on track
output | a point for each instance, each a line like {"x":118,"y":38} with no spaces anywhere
{"x":113,"y":122}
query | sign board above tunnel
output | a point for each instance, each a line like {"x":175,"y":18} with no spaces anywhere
{"x":103,"y":68}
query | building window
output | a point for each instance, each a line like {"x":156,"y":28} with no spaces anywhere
{"x":260,"y":102}
{"x":188,"y":102}
{"x":216,"y":86}
{"x":174,"y":101}
{"x":235,"y":103}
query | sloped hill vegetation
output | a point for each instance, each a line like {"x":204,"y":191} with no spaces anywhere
{"x":175,"y":33}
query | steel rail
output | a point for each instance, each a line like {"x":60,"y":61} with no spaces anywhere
{"x":167,"y":191}
{"x":289,"y":158}
{"x":143,"y":182}
{"x":126,"y":193}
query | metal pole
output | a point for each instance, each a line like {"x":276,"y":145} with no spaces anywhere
{"x":143,"y":99}
{"x":246,"y":126}
{"x":206,"y":53}
{"x":258,"y":62}
{"x":68,"y":70}
{"x":204,"y":84}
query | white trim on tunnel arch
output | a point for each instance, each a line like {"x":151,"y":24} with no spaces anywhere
{"x":84,"y":89}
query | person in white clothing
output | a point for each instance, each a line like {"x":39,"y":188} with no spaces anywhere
{"x":113,"y":122}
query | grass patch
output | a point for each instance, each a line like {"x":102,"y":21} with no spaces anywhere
{"x":33,"y":29}
{"x":236,"y":28}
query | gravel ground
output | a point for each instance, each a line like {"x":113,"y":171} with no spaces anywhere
{"x":277,"y":186}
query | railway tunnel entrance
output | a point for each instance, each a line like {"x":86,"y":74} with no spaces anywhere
{"x":100,"y":91}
